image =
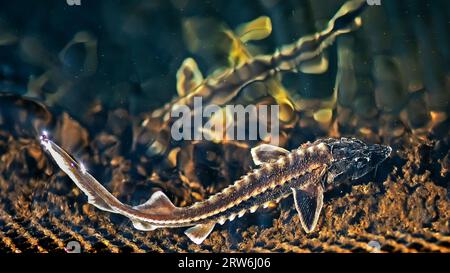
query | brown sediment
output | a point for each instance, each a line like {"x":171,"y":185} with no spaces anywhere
{"x":405,"y":207}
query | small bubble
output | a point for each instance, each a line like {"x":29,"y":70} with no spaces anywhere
{"x":73,"y":247}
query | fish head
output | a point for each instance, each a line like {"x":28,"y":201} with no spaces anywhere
{"x":353,"y":158}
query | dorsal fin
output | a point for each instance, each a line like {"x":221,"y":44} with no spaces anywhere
{"x":158,"y":203}
{"x":308,"y":202}
{"x":267,"y":153}
{"x":188,"y":77}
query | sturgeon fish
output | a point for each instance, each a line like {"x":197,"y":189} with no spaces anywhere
{"x":306,"y":55}
{"x":305,"y":173}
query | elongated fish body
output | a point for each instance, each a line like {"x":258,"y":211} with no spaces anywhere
{"x":306,"y":55}
{"x":220,"y":89}
{"x":305,"y":173}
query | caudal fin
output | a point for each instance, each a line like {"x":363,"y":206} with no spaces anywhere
{"x":158,"y":204}
{"x":96,"y":193}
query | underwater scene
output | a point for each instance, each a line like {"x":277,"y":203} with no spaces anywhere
{"x":254,"y":126}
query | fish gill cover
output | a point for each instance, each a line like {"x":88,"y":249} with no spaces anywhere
{"x":102,"y":79}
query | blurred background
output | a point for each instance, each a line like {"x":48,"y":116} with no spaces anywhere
{"x":126,"y":53}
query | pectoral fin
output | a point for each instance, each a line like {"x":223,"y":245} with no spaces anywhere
{"x":257,"y":29}
{"x":199,"y":232}
{"x":238,"y":54}
{"x":267,"y":153}
{"x":308,"y":202}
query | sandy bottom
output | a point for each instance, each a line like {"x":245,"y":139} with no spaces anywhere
{"x":403,"y":207}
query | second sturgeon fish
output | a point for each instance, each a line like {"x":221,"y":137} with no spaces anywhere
{"x":306,"y":54}
{"x":305,"y":173}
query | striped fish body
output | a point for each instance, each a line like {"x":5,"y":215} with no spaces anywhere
{"x":305,"y":173}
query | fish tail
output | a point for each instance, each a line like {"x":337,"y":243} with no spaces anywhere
{"x":306,"y":54}
{"x":98,"y":195}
